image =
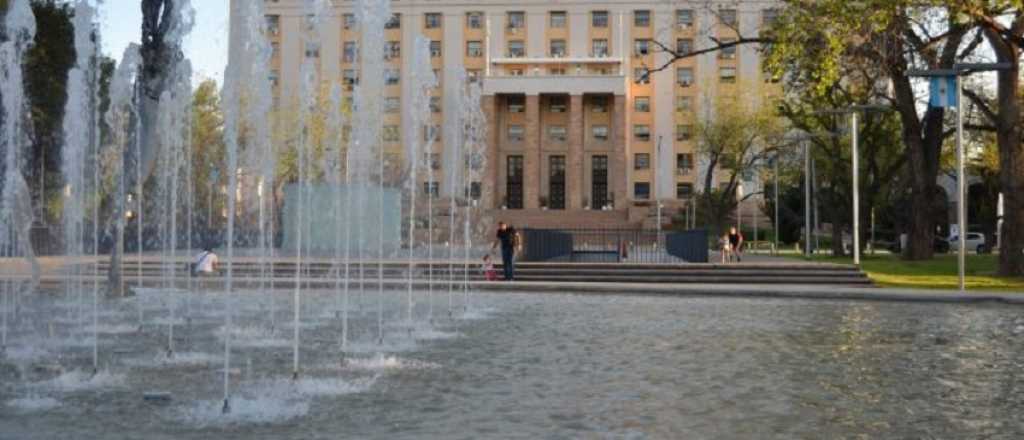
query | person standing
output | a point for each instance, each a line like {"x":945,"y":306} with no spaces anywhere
{"x":736,"y":243}
{"x":508,"y":238}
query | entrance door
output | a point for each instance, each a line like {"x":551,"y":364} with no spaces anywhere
{"x":514,"y":182}
{"x":599,"y":181}
{"x":556,"y":182}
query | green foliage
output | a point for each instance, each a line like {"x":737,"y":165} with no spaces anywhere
{"x":208,"y":156}
{"x":46,"y":68}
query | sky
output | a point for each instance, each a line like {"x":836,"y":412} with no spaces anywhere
{"x":207,"y":47}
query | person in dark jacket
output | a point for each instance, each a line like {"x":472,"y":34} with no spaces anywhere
{"x":508,"y":238}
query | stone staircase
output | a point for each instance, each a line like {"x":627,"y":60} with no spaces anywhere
{"x":322,"y":273}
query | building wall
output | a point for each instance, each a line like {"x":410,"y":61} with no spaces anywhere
{"x":585,"y":80}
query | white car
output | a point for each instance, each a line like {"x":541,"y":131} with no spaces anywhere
{"x":975,"y":242}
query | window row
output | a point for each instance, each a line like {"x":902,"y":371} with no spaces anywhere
{"x":684,"y":162}
{"x":642,"y":191}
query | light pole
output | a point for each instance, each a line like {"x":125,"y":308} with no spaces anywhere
{"x":775,"y":239}
{"x":807,"y":199}
{"x":957,"y":73}
{"x":854,"y":111}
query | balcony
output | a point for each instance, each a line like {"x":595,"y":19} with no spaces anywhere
{"x":562,"y":84}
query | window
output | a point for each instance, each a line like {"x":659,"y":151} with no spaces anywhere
{"x":599,"y":48}
{"x":392,"y":50}
{"x":684,"y":18}
{"x":557,"y":71}
{"x":312,"y":49}
{"x":390,"y":133}
{"x":349,"y":52}
{"x":348,"y":21}
{"x":641,"y":75}
{"x":275,"y":49}
{"x":642,"y":104}
{"x":557,"y":104}
{"x":433,"y":159}
{"x":346,"y":132}
{"x":684,"y":162}
{"x":273,"y":24}
{"x":556,"y":19}
{"x":599,"y":19}
{"x":395,"y":22}
{"x":435,"y":49}
{"x":475,"y":20}
{"x":350,"y":77}
{"x":392,"y":77}
{"x":727,"y":75}
{"x":516,"y":49}
{"x":684,"y":76}
{"x":642,"y":190}
{"x":475,"y":190}
{"x":516,"y":103}
{"x":641,"y":161}
{"x":274,"y":78}
{"x":516,"y":20}
{"x":727,"y":17}
{"x":473,"y":75}
{"x":684,"y":103}
{"x":684,"y":132}
{"x":515,"y":133}
{"x":600,"y":132}
{"x":684,"y":191}
{"x":311,"y":22}
{"x":432,"y":20}
{"x":392,"y":104}
{"x":432,"y":133}
{"x":641,"y":18}
{"x":557,"y":48}
{"x":557,"y":133}
{"x":435,"y":104}
{"x":642,"y":132}
{"x":599,"y":104}
{"x":769,"y":16}
{"x":684,"y":46}
{"x":728,"y":52}
{"x":474,"y":49}
{"x":515,"y":71}
{"x":641,"y":47}
{"x":432,"y":189}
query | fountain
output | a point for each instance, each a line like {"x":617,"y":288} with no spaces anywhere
{"x":423,"y":82}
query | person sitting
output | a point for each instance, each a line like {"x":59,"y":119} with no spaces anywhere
{"x":206,"y":262}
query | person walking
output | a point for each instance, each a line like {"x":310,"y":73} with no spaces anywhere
{"x":736,"y":243}
{"x":508,"y":238}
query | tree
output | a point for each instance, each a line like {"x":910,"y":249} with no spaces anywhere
{"x":208,"y":159}
{"x":736,"y":140}
{"x":1001,"y":23}
{"x":812,"y":40}
{"x":46,"y":67}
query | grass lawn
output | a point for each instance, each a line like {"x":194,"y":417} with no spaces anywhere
{"x":938,"y":273}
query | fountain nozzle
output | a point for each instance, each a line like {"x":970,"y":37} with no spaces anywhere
{"x":227,"y":407}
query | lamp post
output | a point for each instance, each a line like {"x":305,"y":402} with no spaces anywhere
{"x":958,"y":72}
{"x":775,"y":239}
{"x":854,"y":111}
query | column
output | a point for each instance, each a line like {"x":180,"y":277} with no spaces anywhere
{"x":617,"y":162}
{"x":574,"y":188}
{"x":489,"y":184}
{"x":531,"y":154}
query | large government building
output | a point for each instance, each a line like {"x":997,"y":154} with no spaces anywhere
{"x":576,"y":121}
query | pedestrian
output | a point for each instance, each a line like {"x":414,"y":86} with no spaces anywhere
{"x":490,"y":274}
{"x":736,"y":243}
{"x":508,"y":238}
{"x":723,"y":242}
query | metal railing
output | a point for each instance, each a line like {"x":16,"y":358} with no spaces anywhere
{"x":614,"y":246}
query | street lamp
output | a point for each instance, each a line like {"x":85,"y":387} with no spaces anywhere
{"x":958,"y":72}
{"x":854,"y":111}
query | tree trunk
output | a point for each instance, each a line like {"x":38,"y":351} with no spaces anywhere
{"x":838,"y":250}
{"x":1011,"y":156}
{"x":924,"y":160}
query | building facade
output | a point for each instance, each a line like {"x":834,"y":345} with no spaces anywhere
{"x":577,"y":119}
